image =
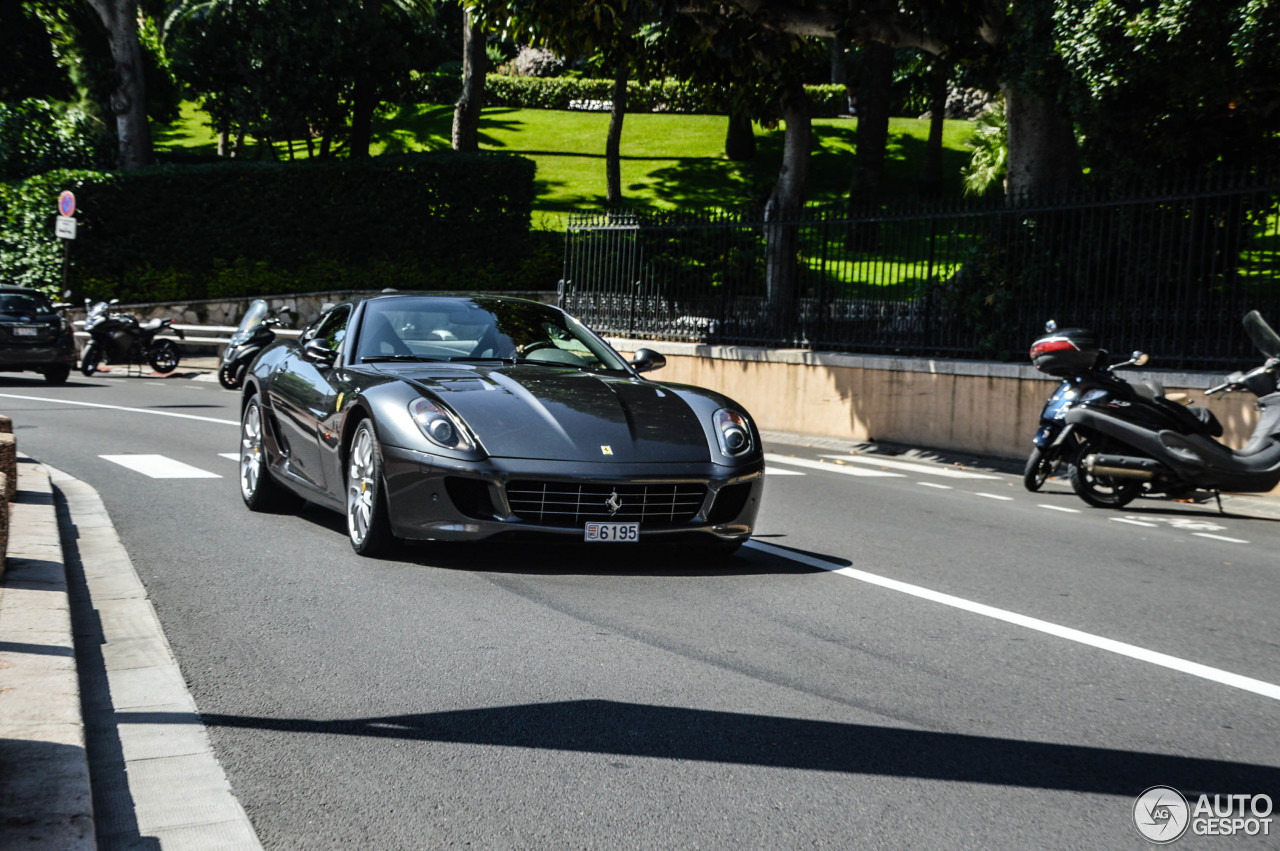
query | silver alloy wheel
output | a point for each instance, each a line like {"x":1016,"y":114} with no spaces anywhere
{"x":250,"y":450}
{"x":361,"y":487}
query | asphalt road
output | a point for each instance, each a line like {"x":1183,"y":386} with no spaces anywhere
{"x":904,"y":659}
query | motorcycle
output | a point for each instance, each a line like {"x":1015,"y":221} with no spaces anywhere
{"x":1125,"y":439}
{"x":1048,"y":447}
{"x":252,"y":336}
{"x":119,"y":338}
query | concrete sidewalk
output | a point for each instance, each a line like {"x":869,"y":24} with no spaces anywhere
{"x":45,"y":799}
{"x":155,"y":781}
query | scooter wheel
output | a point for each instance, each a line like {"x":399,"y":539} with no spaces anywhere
{"x":1037,"y":471}
{"x":89,"y":363}
{"x":231,"y":377}
{"x":1101,"y":491}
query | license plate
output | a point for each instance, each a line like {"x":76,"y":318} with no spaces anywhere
{"x":613,"y":533}
{"x":26,"y":330}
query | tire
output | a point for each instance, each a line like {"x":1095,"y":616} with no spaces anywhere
{"x":1100,"y":491}
{"x":232,"y":375}
{"x":1037,"y":471}
{"x":92,"y":357}
{"x":57,"y":375}
{"x":163,"y":356}
{"x":258,"y":489}
{"x":368,"y":528}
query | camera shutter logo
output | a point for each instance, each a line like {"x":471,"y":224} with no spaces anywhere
{"x":1161,"y":814}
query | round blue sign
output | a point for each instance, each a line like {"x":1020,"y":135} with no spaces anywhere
{"x":67,"y":204}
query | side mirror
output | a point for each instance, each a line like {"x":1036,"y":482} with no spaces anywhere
{"x":114,"y":301}
{"x":318,"y":350}
{"x":647,"y":360}
{"x":1140,"y":358}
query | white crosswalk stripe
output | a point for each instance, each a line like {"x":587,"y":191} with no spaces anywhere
{"x":159,"y":467}
{"x":927,"y":469}
{"x":828,"y":467}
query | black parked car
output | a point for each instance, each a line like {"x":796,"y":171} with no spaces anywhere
{"x":452,"y":418}
{"x":35,"y":335}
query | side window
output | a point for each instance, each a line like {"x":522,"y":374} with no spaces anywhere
{"x":333,"y":327}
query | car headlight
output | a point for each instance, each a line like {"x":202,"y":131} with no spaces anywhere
{"x":733,"y":432}
{"x":439,"y":426}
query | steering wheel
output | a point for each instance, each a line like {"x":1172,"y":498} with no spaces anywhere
{"x":534,"y":346}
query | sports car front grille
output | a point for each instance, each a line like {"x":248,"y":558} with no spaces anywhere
{"x":570,"y":504}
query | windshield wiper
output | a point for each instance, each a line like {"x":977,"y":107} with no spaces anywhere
{"x":398,"y":359}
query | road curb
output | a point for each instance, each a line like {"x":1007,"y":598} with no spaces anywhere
{"x":174,"y":791}
{"x":45,"y":797}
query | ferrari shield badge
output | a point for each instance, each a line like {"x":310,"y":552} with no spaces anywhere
{"x":606,"y":450}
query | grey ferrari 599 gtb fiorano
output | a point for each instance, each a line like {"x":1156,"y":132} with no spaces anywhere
{"x":426,"y":417}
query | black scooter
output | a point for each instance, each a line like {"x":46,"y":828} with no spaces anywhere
{"x":1048,"y":445}
{"x":119,"y":338}
{"x":1123,"y":439}
{"x":252,"y":336}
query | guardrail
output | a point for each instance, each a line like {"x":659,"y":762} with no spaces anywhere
{"x":226,"y":330}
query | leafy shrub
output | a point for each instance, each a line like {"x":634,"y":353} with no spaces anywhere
{"x":415,"y":221}
{"x":39,"y":135}
{"x":536,"y":62}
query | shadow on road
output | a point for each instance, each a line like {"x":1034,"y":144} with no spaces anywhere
{"x":664,"y":732}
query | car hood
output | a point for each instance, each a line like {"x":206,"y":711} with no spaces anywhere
{"x":566,"y":414}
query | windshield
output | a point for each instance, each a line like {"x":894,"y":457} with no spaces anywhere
{"x":1262,"y":334}
{"x":432,"y":328}
{"x":26,"y":304}
{"x":253,"y":317}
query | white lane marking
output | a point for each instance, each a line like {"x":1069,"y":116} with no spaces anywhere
{"x":823,"y":465}
{"x":994,"y":496}
{"x":1132,"y":522}
{"x":1120,"y":648}
{"x":159,"y":467}
{"x":936,"y":485}
{"x":894,"y":464}
{"x":1059,"y":508}
{"x":121,"y":408}
{"x":230,"y":456}
{"x":1191,"y":524}
{"x":769,"y":471}
{"x":1220,"y":538}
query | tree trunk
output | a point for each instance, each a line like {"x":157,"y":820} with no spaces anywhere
{"x":873,"y":124}
{"x":1044,"y":159}
{"x":129,"y":99}
{"x":364,"y":96}
{"x":613,"y":145}
{"x":785,"y":205}
{"x":931,"y":174}
{"x":466,"y":114}
{"x":739,"y":138}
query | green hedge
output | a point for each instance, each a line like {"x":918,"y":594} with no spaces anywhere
{"x":229,"y":229}
{"x":656,"y":96}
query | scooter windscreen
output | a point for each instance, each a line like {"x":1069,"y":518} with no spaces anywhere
{"x":253,"y":317}
{"x":1262,"y":335}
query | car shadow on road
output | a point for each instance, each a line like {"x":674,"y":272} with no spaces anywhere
{"x":620,"y":728}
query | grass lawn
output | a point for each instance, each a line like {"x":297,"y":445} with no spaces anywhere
{"x":669,"y":161}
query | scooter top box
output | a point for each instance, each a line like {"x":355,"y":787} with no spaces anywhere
{"x":1067,"y":352}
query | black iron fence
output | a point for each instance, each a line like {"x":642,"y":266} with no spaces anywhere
{"x":1170,"y":274}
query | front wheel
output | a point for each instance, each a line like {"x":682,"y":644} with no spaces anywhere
{"x":57,"y":375}
{"x":1100,"y":491}
{"x":1039,"y":467}
{"x":92,"y":357}
{"x":367,"y":523}
{"x":231,"y":376}
{"x":259,"y":491}
{"x":164,"y":356}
